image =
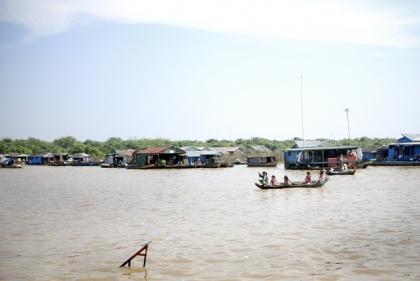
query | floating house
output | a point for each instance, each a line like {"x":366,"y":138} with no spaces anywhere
{"x":202,"y":157}
{"x":405,"y":152}
{"x":60,"y":159}
{"x":41,"y":159}
{"x":226,"y":151}
{"x":260,"y":156}
{"x":160,"y":157}
{"x":407,"y":148}
{"x":314,"y":154}
{"x":18,"y":157}
{"x":119,"y":159}
{"x":369,"y":155}
{"x":258,"y":149}
{"x":228,"y":155}
{"x":262,"y":161}
{"x":82,"y":159}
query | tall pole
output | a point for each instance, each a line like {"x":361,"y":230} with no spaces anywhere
{"x":301,"y":108}
{"x":348,"y":123}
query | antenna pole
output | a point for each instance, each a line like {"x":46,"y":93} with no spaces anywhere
{"x":301,"y":108}
{"x":348,"y":123}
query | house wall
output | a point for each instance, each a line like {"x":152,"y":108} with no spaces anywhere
{"x":36,"y":161}
{"x":403,"y":153}
{"x":192,"y":160}
{"x":368,"y":155}
{"x":109,"y":159}
{"x":141,"y":160}
{"x":417,"y":152}
{"x":290,"y":156}
{"x":392,"y":153}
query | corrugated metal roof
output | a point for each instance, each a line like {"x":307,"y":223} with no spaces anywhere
{"x":79,"y":155}
{"x":308,"y":143}
{"x":162,"y":149}
{"x":190,"y":148}
{"x":193,"y":153}
{"x":260,"y":148}
{"x":225,"y":150}
{"x":155,"y":150}
{"x":209,"y":152}
{"x":199,"y":153}
{"x":406,"y":143}
{"x":412,"y":137}
{"x":125,"y":152}
{"x":322,"y":148}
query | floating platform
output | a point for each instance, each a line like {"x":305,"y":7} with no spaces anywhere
{"x":395,"y":163}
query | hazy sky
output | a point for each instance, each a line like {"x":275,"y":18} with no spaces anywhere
{"x":200,"y":69}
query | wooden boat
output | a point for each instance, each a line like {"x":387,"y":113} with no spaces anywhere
{"x":341,"y":172}
{"x":313,"y":184}
{"x":265,"y":164}
{"x":12,"y":166}
{"x":239,"y":162}
{"x":212,"y":165}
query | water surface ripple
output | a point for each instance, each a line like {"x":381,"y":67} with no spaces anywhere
{"x":71,"y":223}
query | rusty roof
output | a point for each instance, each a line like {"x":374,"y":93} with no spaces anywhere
{"x":154,"y":150}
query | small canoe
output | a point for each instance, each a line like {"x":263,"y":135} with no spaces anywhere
{"x":341,"y":172}
{"x":313,"y":184}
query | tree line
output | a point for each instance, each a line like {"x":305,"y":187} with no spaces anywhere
{"x":98,"y":149}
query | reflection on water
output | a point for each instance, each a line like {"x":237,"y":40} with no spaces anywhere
{"x":81,"y":223}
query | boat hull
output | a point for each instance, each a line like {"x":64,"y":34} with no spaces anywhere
{"x":271,"y":164}
{"x":314,"y":184}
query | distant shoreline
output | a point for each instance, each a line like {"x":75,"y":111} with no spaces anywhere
{"x":98,"y":149}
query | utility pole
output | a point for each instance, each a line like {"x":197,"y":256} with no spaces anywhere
{"x":348,"y":123}
{"x":301,"y":108}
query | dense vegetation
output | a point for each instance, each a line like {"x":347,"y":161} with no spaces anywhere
{"x":98,"y":149}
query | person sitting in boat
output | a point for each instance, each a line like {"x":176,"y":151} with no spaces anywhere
{"x":286,"y":180}
{"x":321,"y":175}
{"x":308,"y":178}
{"x":263,"y":177}
{"x":344,"y":167}
{"x":273,"y":180}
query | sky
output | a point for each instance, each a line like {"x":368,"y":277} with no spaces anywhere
{"x":201,"y":69}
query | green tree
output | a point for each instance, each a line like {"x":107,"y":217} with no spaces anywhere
{"x":65,"y":142}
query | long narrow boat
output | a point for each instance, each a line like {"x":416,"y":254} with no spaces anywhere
{"x":341,"y":172}
{"x":264,"y":164}
{"x":313,"y":184}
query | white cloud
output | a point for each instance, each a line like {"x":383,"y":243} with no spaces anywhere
{"x":295,"y":19}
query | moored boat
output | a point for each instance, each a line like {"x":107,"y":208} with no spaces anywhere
{"x":341,"y":172}
{"x":10,"y":164}
{"x":211,"y":165}
{"x":313,"y":184}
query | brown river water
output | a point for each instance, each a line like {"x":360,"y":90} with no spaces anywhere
{"x":81,"y":223}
